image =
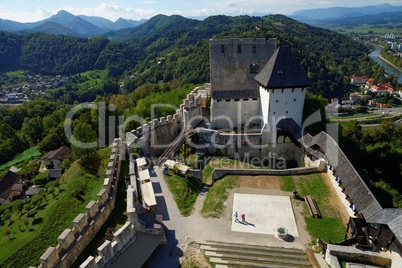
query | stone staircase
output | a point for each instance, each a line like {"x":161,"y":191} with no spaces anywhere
{"x":223,"y":254}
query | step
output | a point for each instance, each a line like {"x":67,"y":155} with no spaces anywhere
{"x":265,"y":260}
{"x":256,"y":253}
{"x":219,"y":261}
{"x":255,"y":247}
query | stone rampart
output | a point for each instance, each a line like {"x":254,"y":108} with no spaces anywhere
{"x":219,"y":173}
{"x":156,"y":135}
{"x":72,"y":242}
{"x":110,"y":250}
{"x":335,"y":254}
{"x":249,"y":145}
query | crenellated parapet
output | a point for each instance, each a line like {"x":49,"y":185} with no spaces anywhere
{"x":85,"y":226}
{"x":154,"y":136}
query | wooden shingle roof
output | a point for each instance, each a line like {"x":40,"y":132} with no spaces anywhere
{"x":58,"y":154}
{"x":7,"y":183}
{"x":356,"y":188}
{"x":283,"y":70}
{"x":359,"y":193}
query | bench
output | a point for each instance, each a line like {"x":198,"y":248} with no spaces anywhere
{"x":312,"y":207}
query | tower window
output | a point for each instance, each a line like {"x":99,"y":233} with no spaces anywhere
{"x":254,"y":50}
{"x":254,"y":68}
{"x":222,"y":48}
{"x":277,"y":101}
{"x":239,"y":49}
{"x":294,"y":99}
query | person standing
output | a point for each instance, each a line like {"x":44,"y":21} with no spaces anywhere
{"x":236,"y":216}
{"x":243,"y":217}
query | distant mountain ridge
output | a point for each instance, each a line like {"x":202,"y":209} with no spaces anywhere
{"x":65,"y":23}
{"x":320,"y":14}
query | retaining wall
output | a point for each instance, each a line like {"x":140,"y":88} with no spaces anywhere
{"x":336,"y":253}
{"x":219,"y":173}
{"x":72,"y":242}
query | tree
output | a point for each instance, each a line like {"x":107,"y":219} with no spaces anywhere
{"x":87,"y":155}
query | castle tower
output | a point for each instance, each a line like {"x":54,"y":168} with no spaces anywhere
{"x":282,"y":84}
{"x":234,"y":92}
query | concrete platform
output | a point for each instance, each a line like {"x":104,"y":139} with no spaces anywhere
{"x":264,"y":214}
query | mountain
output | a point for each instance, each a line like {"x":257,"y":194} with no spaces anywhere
{"x":50,"y":28}
{"x":98,"y":21}
{"x":65,"y":23}
{"x":124,"y":24}
{"x":314,"y":15}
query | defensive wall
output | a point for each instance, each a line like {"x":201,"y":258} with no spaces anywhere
{"x":109,"y":251}
{"x":317,"y":166}
{"x":156,"y":135}
{"x":72,"y":242}
{"x":250,"y":145}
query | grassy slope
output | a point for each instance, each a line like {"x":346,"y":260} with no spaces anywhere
{"x":185,"y":191}
{"x":26,"y":155}
{"x":56,"y":212}
{"x":330,"y":226}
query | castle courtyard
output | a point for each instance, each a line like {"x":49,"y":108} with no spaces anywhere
{"x":259,"y":197}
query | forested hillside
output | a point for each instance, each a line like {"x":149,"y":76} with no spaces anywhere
{"x":176,"y":49}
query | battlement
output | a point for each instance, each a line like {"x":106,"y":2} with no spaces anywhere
{"x":156,"y":135}
{"x":72,"y":241}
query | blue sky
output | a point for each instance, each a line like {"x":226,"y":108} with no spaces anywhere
{"x":31,"y":10}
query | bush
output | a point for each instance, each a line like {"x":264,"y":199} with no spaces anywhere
{"x":32,"y":213}
{"x":41,"y":178}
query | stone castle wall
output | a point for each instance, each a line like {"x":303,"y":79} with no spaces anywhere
{"x":72,"y":242}
{"x":233,"y":58}
{"x":109,"y":251}
{"x":155,"y":136}
{"x":250,"y":145}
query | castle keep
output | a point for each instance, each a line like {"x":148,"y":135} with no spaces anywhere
{"x":254,"y":84}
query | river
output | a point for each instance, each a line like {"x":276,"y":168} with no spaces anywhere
{"x":375,"y":55}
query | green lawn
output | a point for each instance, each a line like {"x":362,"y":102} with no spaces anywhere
{"x":185,"y":191}
{"x":330,"y":225}
{"x":56,"y":207}
{"x":26,"y":155}
{"x":214,"y":202}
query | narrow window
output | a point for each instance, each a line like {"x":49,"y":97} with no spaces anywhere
{"x":294,"y":99}
{"x":222,"y":48}
{"x":254,"y":68}
{"x":254,"y":49}
{"x":238,"y":49}
{"x":228,"y":100}
{"x":277,"y":101}
{"x":287,"y":112}
{"x":254,"y":99}
{"x":236,"y":99}
{"x":245,"y":99}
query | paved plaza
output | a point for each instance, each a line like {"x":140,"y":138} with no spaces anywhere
{"x":264,"y":214}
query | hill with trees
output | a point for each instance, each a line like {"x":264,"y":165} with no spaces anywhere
{"x":174,"y":48}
